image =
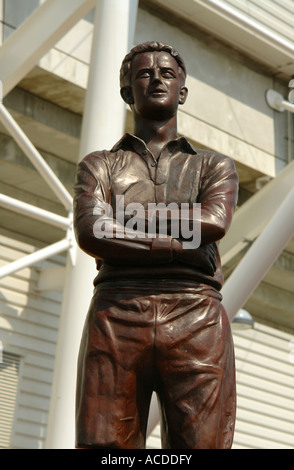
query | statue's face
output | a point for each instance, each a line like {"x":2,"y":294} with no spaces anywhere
{"x":156,"y":85}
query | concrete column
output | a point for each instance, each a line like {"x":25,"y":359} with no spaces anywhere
{"x":103,"y":125}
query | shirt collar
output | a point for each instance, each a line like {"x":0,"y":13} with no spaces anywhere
{"x":132,"y":142}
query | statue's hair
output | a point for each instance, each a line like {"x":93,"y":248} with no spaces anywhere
{"x":126,"y":66}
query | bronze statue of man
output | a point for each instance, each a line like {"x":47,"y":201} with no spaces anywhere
{"x":156,"y":322}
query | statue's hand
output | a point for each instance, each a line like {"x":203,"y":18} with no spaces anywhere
{"x":203,"y":256}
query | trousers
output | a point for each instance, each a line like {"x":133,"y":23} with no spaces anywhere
{"x":171,"y":337}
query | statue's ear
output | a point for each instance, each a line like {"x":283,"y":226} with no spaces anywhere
{"x":183,"y":95}
{"x":127,"y":95}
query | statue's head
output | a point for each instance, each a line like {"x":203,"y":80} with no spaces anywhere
{"x":152,"y":80}
{"x":152,"y":46}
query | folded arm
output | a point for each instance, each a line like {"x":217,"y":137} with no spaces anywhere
{"x":98,"y":233}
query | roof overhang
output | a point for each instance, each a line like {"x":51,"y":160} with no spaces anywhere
{"x":241,"y":31}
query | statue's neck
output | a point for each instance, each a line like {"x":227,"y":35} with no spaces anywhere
{"x":156,"y":134}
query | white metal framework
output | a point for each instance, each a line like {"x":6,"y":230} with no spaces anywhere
{"x":18,"y":55}
{"x":48,"y":23}
{"x":252,"y":217}
{"x":33,"y":211}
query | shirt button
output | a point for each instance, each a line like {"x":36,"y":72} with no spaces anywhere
{"x":144,"y":152}
{"x":160,"y":178}
{"x":153,"y":164}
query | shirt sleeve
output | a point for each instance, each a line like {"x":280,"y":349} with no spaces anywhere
{"x":218,"y":196}
{"x":215,"y":204}
{"x":96,"y":230}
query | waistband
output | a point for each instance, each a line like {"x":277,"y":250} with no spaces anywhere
{"x":158,"y":286}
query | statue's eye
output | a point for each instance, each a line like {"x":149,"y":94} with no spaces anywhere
{"x":143,"y":74}
{"x":168,"y":73}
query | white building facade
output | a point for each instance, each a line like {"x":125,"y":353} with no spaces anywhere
{"x":239,"y":54}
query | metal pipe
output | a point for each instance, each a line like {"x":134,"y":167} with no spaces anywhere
{"x":36,"y":159}
{"x":35,"y":212}
{"x":253,"y":216}
{"x":259,"y":258}
{"x":287,"y":106}
{"x":277,"y":102}
{"x":35,"y":257}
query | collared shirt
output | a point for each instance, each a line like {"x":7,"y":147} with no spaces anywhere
{"x":181,"y":174}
